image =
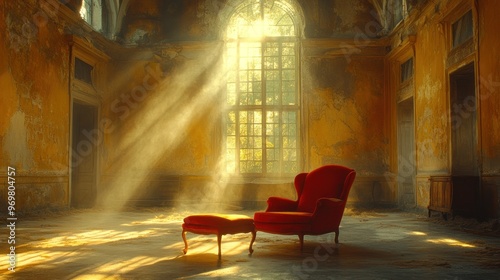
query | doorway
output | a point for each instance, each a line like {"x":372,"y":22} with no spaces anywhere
{"x":406,"y":154}
{"x":84,"y":155}
{"x":463,"y":109}
{"x":465,"y":169}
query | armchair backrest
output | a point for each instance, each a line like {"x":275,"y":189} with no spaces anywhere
{"x":332,"y":181}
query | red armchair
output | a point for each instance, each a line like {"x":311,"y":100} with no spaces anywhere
{"x":322,"y":195}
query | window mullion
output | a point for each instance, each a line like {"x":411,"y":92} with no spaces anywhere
{"x":280,"y":110}
{"x":264,"y":108}
{"x":237,"y":110}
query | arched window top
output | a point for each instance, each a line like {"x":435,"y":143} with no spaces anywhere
{"x":260,"y":18}
{"x":101,"y":15}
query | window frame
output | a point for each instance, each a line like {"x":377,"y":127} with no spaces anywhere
{"x":457,"y":42}
{"x":411,"y":68}
{"x":265,"y":108}
{"x":95,"y":15}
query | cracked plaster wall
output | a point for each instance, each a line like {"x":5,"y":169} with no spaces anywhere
{"x":489,"y":71}
{"x":489,"y":90}
{"x":202,"y":20}
{"x":345,"y":119}
{"x":432,"y":98}
{"x":35,"y":113}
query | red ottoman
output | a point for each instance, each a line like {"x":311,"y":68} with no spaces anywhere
{"x":219,"y":224}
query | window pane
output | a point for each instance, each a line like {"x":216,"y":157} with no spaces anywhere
{"x":271,"y":62}
{"x":273,"y":167}
{"x":231,"y":130}
{"x":280,"y":23}
{"x":288,"y":49}
{"x":462,"y":29}
{"x":288,"y":86}
{"x":288,"y":61}
{"x":271,"y":49}
{"x":86,"y":11}
{"x":231,"y":93}
{"x":83,"y":71}
{"x":288,"y":75}
{"x":407,"y":70}
{"x":289,"y":98}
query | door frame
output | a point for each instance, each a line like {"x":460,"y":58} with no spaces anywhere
{"x":412,"y":153}
{"x":452,"y":90}
{"x":86,"y":93}
{"x":83,"y":98}
{"x":400,"y":91}
{"x":471,"y":59}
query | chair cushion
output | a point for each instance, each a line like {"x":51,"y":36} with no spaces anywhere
{"x":218,"y":220}
{"x":283,"y":217}
{"x":326,"y":181}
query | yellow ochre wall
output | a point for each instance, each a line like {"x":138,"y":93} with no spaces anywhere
{"x":161,"y":103}
{"x":34,"y":122}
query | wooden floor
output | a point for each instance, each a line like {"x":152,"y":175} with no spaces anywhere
{"x":147,"y":244}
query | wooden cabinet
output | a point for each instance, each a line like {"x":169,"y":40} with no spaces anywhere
{"x":440,"y":194}
{"x":454,"y":195}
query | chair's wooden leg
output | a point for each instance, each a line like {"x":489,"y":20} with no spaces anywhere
{"x":337,"y":236}
{"x":185,"y":242}
{"x":219,"y":239}
{"x":251,"y":242}
{"x":301,"y":238}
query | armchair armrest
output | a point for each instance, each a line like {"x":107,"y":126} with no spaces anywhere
{"x":328,"y":214}
{"x":279,"y":204}
{"x":327,"y":206}
{"x":329,"y":202}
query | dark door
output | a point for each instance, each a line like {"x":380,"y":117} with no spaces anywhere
{"x":84,"y":156}
{"x":406,"y":154}
{"x":463,"y":122}
{"x":465,"y":156}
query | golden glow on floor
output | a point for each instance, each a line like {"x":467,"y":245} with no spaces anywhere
{"x":46,"y":258}
{"x":144,"y":244}
{"x":451,"y":242}
{"x":418,"y":233}
{"x":93,"y":237}
{"x":124,"y":266}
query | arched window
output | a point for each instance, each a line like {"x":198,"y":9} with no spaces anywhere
{"x":263,"y":102}
{"x":92,"y":12}
{"x":100,"y":14}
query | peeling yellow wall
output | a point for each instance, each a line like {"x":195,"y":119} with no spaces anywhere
{"x":160,"y":113}
{"x":342,"y":95}
{"x":432,"y":92}
{"x":346,"y":114}
{"x":489,"y":84}
{"x":34,"y":126}
{"x":489,"y":100}
{"x":431,"y":100}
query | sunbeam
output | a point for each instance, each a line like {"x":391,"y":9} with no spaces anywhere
{"x":160,"y":125}
{"x":451,"y":242}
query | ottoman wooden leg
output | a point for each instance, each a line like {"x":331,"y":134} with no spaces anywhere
{"x":185,"y":242}
{"x":251,"y":242}
{"x":219,"y":239}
